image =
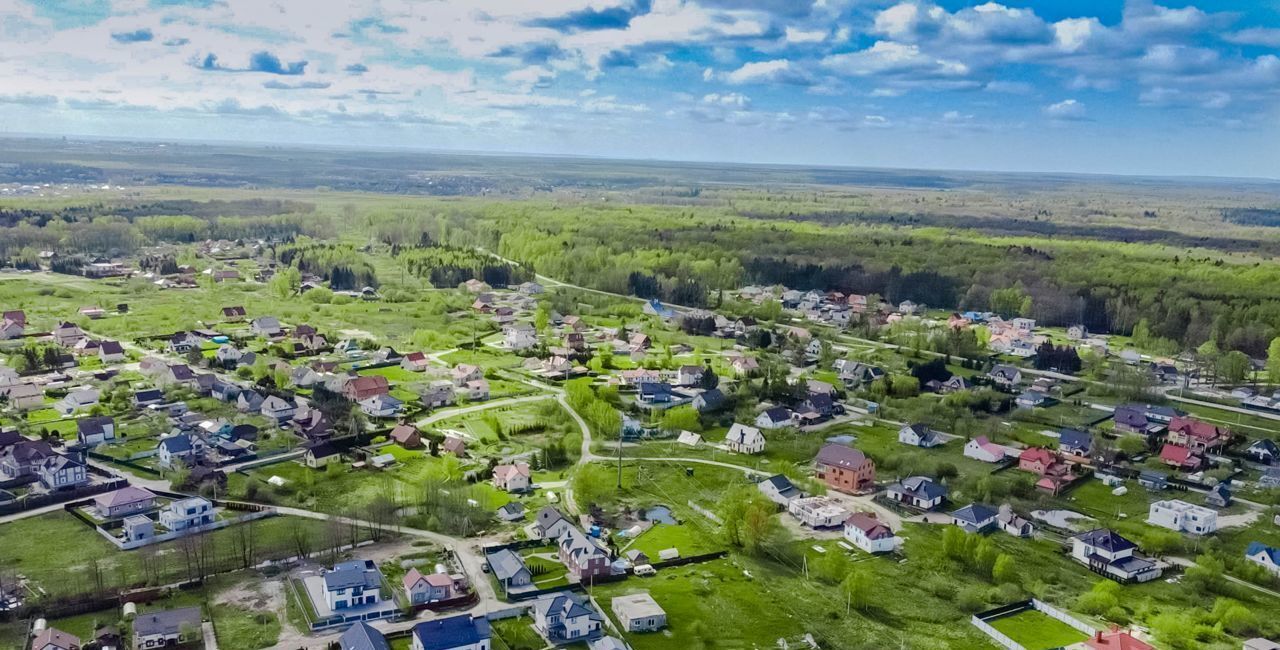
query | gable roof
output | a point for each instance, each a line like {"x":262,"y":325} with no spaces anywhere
{"x":54,"y":637}
{"x":362,"y":636}
{"x":975,"y":513}
{"x":782,"y":485}
{"x":778,"y":414}
{"x":452,"y":632}
{"x":870,"y":526}
{"x":506,"y":564}
{"x":1106,"y":539}
{"x":921,"y":487}
{"x":1074,"y":439}
{"x":168,"y":621}
{"x":843,"y":456}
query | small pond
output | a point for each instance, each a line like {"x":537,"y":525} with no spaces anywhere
{"x":660,"y":515}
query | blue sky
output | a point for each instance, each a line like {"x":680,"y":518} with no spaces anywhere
{"x":1135,"y":88}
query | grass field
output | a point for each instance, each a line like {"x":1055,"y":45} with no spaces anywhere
{"x":1037,"y":631}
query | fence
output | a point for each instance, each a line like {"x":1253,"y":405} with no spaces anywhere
{"x":980,"y":620}
{"x":61,"y":496}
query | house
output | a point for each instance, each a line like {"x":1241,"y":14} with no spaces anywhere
{"x":233,"y":314}
{"x":406,"y":436}
{"x":855,"y":374}
{"x":1181,"y":458}
{"x":955,"y":384}
{"x":1219,"y":496}
{"x":24,"y":396}
{"x":1183,"y":517}
{"x":1005,"y":376}
{"x":184,"y":514}
{"x":976,"y":518}
{"x":183,"y":342}
{"x":1076,"y":443}
{"x":266,"y":326}
{"x":110,"y":352}
{"x":439,"y":393}
{"x":11,"y":329}
{"x":460,"y":632}
{"x":918,"y":435}
{"x":1037,"y":460}
{"x":1264,"y":451}
{"x":360,"y":389}
{"x":422,"y":589}
{"x":982,"y":449}
{"x":477,"y":390}
{"x":743,"y":365}
{"x":454,"y":445}
{"x":94,"y":431}
{"x":845,"y":469}
{"x":550,"y":523}
{"x":917,"y":492}
{"x":1109,"y":554}
{"x":743,"y":439}
{"x":820,"y":406}
{"x":67,"y":334}
{"x":362,"y":636}
{"x":1153,"y":480}
{"x":77,"y":399}
{"x":23,"y":458}
{"x":169,"y":627}
{"x":1200,"y":437}
{"x":86,"y":347}
{"x":709,"y":400}
{"x":1135,"y":419}
{"x":320,"y":454}
{"x":690,"y":375}
{"x":512,"y":478}
{"x":464,"y":373}
{"x":415,"y":362}
{"x":180,"y":448}
{"x":278,"y":409}
{"x":655,"y":393}
{"x":382,"y":406}
{"x":565,"y":617}
{"x":774,"y":418}
{"x":509,"y":569}
{"x":520,"y":336}
{"x":147,"y":397}
{"x":869,"y":534}
{"x":58,"y":472}
{"x":818,"y":512}
{"x":1030,"y":399}
{"x":582,"y":556}
{"x":126,"y":501}
{"x":352,"y":584}
{"x":1011,"y":523}
{"x":1265,"y":556}
{"x":779,"y":489}
{"x":638,"y":613}
{"x":513,"y":511}
{"x":51,"y":638}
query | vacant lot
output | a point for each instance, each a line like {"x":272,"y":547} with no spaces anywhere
{"x":1036,"y":631}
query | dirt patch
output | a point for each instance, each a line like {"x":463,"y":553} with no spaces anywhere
{"x":256,"y":595}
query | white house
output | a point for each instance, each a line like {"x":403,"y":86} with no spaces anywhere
{"x":1265,"y":556}
{"x":818,"y":512}
{"x":415,"y":362}
{"x":512,"y":478}
{"x":67,"y":334}
{"x":268,"y":326}
{"x":382,"y":406}
{"x":744,"y":439}
{"x":187,"y":513}
{"x":1107,"y":553}
{"x":869,"y":534}
{"x":177,"y":448}
{"x":111,"y":352}
{"x":520,"y":336}
{"x":168,"y":627}
{"x":1183,"y":517}
{"x":422,"y":589}
{"x":565,"y":617}
{"x":919,"y":435}
{"x":58,"y":472}
{"x":779,"y":489}
{"x":354,"y":583}
{"x":76,"y":400}
{"x":775,"y":418}
{"x":638,"y":612}
{"x":92,"y":432}
{"x":277,"y":409}
{"x":984,"y":450}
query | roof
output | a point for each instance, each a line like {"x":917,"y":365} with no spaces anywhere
{"x":1116,"y":639}
{"x":778,"y":414}
{"x":94,"y":426}
{"x":975,"y":513}
{"x":506,"y":564}
{"x":178,"y":444}
{"x":403,"y":433}
{"x":782,"y":485}
{"x":1106,"y":539}
{"x":169,"y":621}
{"x":362,"y":636}
{"x":742,"y":434}
{"x":1074,"y":439}
{"x":123,"y":496}
{"x":921,"y":486}
{"x":452,"y":632}
{"x":51,"y":636}
{"x":640,"y":605}
{"x":1037,"y":455}
{"x":355,"y":573}
{"x":870,"y":526}
{"x":111,"y":347}
{"x":1195,"y":428}
{"x":1256,"y":548}
{"x":842,"y":456}
{"x":322,"y":450}
{"x":1175,"y":454}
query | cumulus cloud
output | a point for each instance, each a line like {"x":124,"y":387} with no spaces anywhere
{"x":777,"y":71}
{"x":1067,"y":110}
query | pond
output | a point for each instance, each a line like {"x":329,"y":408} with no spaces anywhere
{"x":660,"y":514}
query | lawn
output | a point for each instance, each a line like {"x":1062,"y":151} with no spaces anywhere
{"x":1037,"y":631}
{"x":689,"y":538}
{"x":242,"y":628}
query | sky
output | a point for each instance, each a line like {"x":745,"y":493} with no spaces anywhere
{"x":1077,"y":85}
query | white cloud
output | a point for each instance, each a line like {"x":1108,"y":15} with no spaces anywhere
{"x":768,"y":72}
{"x":734,"y":100}
{"x":889,"y":57}
{"x":802,"y":36}
{"x":1066,"y":110}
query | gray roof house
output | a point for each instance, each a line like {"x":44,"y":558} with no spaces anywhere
{"x":779,"y":489}
{"x":167,"y":627}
